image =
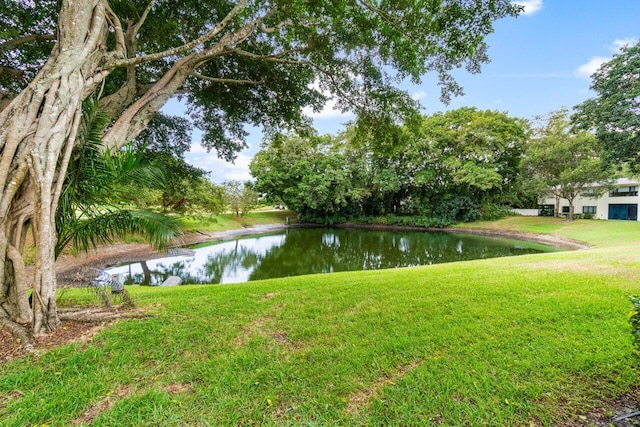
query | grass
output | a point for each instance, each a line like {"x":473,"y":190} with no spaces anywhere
{"x":598,"y":233}
{"x":229,"y":221}
{"x":530,"y":340}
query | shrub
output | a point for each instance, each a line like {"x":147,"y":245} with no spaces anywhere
{"x":491,"y":212}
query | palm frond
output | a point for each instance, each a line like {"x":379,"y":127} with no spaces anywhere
{"x":157,"y":229}
{"x":97,"y":180}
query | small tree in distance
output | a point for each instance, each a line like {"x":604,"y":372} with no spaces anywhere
{"x":239,"y":197}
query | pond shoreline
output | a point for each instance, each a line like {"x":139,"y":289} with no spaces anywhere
{"x":546,"y":239}
{"x":111,"y":255}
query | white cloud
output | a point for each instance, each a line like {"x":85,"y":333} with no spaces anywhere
{"x":330,"y":111}
{"x":197,"y":149}
{"x":530,"y":6}
{"x":586,"y":70}
{"x":620,"y":43}
{"x":417,"y":96}
{"x":220,"y":169}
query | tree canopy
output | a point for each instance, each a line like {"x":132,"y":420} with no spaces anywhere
{"x":456,"y":166}
{"x":562,"y":161}
{"x":258,"y":62}
{"x":614,"y":114}
{"x":233,"y":62}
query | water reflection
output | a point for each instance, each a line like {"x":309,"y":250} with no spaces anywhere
{"x":298,"y":251}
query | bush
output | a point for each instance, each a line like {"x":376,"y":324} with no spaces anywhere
{"x":457,"y":209}
{"x":491,"y":212}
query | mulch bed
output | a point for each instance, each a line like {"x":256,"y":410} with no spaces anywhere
{"x":70,"y":331}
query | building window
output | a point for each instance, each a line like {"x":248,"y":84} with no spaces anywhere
{"x":628,"y":212}
{"x":624,"y":191}
{"x":588,"y":192}
{"x":565,"y":209}
{"x":589,"y":210}
{"x":546,"y":210}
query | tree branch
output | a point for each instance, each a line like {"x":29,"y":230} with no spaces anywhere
{"x":276,"y":58}
{"x":138,"y":25}
{"x":121,"y":45}
{"x":271,"y":30}
{"x":384,"y":15}
{"x":13,"y":43}
{"x":11,"y":73}
{"x":223,"y":80}
{"x":187,"y":46}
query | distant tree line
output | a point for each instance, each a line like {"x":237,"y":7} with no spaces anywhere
{"x":461,"y":165}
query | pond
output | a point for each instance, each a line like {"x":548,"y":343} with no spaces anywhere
{"x":297,"y":251}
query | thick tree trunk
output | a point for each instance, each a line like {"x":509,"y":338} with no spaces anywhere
{"x":37,"y":132}
{"x":571,"y":211}
{"x":38,"y":129}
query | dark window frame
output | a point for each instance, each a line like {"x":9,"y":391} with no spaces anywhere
{"x":631,"y":190}
{"x":628,"y":211}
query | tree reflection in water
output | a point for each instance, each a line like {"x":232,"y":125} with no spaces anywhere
{"x":298,"y":251}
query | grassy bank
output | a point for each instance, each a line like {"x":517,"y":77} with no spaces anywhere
{"x":595,"y":232}
{"x":229,"y":221}
{"x":530,"y":340}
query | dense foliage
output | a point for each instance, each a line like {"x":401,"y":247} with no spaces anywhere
{"x":454,"y":166}
{"x":94,"y":206}
{"x":258,"y":62}
{"x":614,"y":114}
{"x":234,"y":62}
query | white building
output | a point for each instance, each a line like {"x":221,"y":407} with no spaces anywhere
{"x":619,"y":203}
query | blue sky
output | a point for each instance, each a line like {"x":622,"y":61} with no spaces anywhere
{"x":540,"y":62}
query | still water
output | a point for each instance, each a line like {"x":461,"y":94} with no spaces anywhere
{"x":297,"y":251}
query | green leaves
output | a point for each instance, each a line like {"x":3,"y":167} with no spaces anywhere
{"x":448,"y":167}
{"x":614,"y":114}
{"x":89,"y":210}
{"x":634,"y":319}
{"x":292,"y":55}
{"x":109,"y":223}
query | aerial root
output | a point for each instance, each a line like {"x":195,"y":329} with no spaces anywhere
{"x":20,"y":332}
{"x":98,"y":314}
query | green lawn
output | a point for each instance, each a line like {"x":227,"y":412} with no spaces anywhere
{"x":223,"y":222}
{"x":595,"y":232}
{"x":531,"y":340}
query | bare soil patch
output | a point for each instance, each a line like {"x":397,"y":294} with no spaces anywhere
{"x":69,"y":332}
{"x":359,"y":400}
{"x":102,"y":406}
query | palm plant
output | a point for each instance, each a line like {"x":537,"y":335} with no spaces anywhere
{"x":90,"y":209}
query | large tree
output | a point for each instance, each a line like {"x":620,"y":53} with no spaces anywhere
{"x":614,"y":114}
{"x":470,"y":153}
{"x":444,"y":170}
{"x":235,"y":62}
{"x":562,"y":161}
